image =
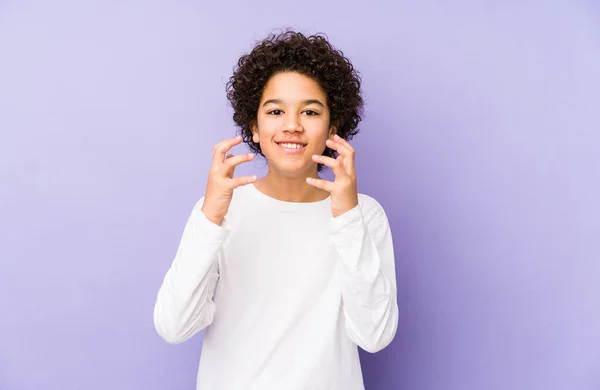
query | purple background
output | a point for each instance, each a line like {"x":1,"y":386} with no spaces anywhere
{"x":481,"y":140}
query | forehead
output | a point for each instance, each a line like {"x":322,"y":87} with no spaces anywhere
{"x":292,"y":86}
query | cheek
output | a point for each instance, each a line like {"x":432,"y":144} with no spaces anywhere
{"x":265,"y":134}
{"x":262,"y":128}
{"x":319,"y":132}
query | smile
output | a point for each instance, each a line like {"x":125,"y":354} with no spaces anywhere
{"x":291,"y":147}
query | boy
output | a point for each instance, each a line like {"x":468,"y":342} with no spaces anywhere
{"x":288,"y":273}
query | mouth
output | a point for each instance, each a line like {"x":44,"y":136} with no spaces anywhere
{"x":291,"y":147}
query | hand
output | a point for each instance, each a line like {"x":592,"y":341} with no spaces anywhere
{"x":344,"y":193}
{"x":221,"y":183}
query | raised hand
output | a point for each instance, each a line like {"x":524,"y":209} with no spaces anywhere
{"x":221,"y":183}
{"x":344,"y":193}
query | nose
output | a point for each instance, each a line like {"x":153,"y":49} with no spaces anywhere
{"x":292,"y":125}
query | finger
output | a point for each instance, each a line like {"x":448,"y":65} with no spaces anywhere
{"x":234,"y":161}
{"x":346,"y":151}
{"x":348,"y":165}
{"x":222,"y":147}
{"x":345,"y":143}
{"x":335,"y":165}
{"x":242,"y":181}
{"x":320,"y":183}
{"x":228,"y":142}
{"x":340,"y":148}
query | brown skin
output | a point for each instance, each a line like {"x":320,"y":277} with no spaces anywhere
{"x":293,"y":108}
{"x":312,"y":56}
{"x":343,"y":190}
{"x":221,"y":183}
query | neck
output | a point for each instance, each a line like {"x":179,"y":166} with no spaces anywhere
{"x":290,"y":188}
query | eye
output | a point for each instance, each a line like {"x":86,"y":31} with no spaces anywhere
{"x":274,"y":112}
{"x":311,"y":113}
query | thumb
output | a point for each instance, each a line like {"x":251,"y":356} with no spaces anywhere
{"x":232,"y":169}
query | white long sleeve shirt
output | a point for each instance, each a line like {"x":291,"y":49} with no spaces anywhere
{"x":285,"y":291}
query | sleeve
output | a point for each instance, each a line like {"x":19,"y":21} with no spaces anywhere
{"x":184,"y":302}
{"x":363,"y":241}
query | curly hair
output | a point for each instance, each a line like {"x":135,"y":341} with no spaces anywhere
{"x":312,"y":56}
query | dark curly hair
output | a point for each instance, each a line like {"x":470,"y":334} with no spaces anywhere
{"x":312,"y":56}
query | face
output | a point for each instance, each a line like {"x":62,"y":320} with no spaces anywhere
{"x":293,"y":123}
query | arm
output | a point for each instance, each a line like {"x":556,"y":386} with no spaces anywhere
{"x":184,"y":303}
{"x":363,"y":240}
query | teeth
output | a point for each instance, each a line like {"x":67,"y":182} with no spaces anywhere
{"x":291,"y":146}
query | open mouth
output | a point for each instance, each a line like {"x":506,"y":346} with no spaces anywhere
{"x":291,"y":146}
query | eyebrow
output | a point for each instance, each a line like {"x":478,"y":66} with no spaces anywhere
{"x":304,"y":102}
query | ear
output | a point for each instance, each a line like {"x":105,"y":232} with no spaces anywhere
{"x":332,"y":131}
{"x":255,"y":137}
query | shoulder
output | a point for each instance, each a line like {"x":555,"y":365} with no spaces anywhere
{"x":371,"y":210}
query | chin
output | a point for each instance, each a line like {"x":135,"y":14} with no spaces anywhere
{"x":292,"y":168}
